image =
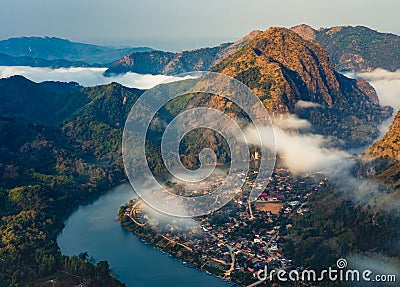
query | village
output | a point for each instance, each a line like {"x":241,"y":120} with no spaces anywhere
{"x":238,"y":241}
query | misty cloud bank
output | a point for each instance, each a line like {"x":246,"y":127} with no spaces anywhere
{"x":86,"y":77}
{"x":387,"y":86}
{"x":300,"y":152}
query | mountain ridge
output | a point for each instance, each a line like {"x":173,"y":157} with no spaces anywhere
{"x":169,"y":63}
{"x":53,"y":103}
{"x":7,"y":60}
{"x":53,"y":48}
{"x":282,"y":68}
{"x":355,"y":48}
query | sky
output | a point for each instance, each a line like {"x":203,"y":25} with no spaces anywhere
{"x":183,"y":24}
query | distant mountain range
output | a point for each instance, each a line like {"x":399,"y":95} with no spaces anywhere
{"x":350,"y":48}
{"x":56,"y":49}
{"x":357,"y":49}
{"x":7,"y":60}
{"x":159,"y":62}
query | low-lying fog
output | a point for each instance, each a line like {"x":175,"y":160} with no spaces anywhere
{"x":86,"y":77}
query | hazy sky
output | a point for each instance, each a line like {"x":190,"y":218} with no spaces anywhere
{"x":176,"y":24}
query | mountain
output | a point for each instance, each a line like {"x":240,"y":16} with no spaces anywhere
{"x":22,"y":98}
{"x":52,"y":103}
{"x":51,"y":48}
{"x":159,"y":62}
{"x":382,"y":159}
{"x":45,"y":175}
{"x":356,"y":48}
{"x":282,"y":68}
{"x":109,"y":104}
{"x":349,"y":48}
{"x":60,"y":147}
{"x":7,"y":60}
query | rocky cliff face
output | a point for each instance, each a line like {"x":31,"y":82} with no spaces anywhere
{"x":389,"y":145}
{"x":282,"y":68}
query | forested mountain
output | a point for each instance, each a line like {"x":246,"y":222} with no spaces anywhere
{"x":356,"y":48}
{"x":61,"y":146}
{"x":63,"y":149}
{"x":55,"y":102}
{"x":45,"y":174}
{"x":382,"y":159}
{"x":349,"y":48}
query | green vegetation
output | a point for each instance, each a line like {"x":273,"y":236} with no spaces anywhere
{"x":381,"y":161}
{"x":61,"y":147}
{"x":47,"y":171}
{"x":356,"y":48}
{"x":336,"y":228}
{"x":45,"y":175}
{"x":52,"y":103}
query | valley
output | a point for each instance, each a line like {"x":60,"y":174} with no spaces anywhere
{"x":61,"y":150}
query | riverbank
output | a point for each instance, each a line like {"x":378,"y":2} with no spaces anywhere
{"x":92,"y":228}
{"x":168,"y":244}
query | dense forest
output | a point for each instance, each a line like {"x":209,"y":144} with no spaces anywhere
{"x":45,"y":175}
{"x":339,"y":227}
{"x":48,"y":166}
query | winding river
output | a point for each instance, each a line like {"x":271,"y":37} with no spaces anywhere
{"x":92,"y":228}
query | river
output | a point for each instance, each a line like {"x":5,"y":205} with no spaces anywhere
{"x":92,"y":228}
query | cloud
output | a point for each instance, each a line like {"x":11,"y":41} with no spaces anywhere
{"x":290,"y":121}
{"x":163,"y":220}
{"x":85,"y":76}
{"x":299,"y":152}
{"x":386,"y":84}
{"x":304,"y":105}
{"x":379,"y":265}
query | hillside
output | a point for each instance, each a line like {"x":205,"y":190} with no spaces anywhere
{"x":51,"y":48}
{"x":382,"y":159}
{"x":159,"y":62}
{"x":45,"y":174}
{"x":356,"y":48}
{"x":282,"y":68}
{"x":22,"y":98}
{"x":52,"y":103}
